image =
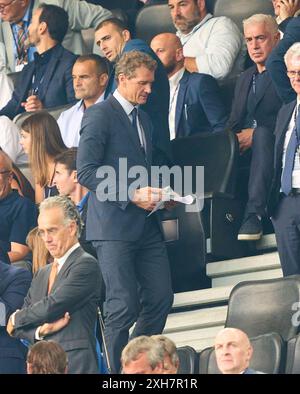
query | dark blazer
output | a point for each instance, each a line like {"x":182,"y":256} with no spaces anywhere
{"x":75,"y":290}
{"x":282,"y":123}
{"x":267,"y":105}
{"x":56,"y":88}
{"x":107,"y":135}
{"x":199,"y":107}
{"x":157,"y":106}
{"x":14,"y":284}
{"x":275,"y":63}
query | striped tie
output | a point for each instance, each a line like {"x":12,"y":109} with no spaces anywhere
{"x":21,"y":44}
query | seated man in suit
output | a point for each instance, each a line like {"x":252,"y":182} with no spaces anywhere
{"x":211,"y":45}
{"x":90,"y":75}
{"x":18,"y":214}
{"x":47,"y":81}
{"x":233,"y":352}
{"x":16,"y":16}
{"x":284,"y":202}
{"x":61,"y":304}
{"x":14,"y":284}
{"x":114,"y":39}
{"x":195,"y":103}
{"x":253,"y":116}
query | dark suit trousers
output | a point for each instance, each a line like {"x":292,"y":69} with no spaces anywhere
{"x":261,"y":170}
{"x":138,"y":288}
{"x":286,"y":222}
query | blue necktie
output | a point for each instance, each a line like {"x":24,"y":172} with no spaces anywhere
{"x":134,"y":114}
{"x":286,"y":179}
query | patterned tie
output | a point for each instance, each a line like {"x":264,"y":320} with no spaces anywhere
{"x":52,"y":275}
{"x":134,"y":114}
{"x":286,"y":179}
{"x":20,"y":42}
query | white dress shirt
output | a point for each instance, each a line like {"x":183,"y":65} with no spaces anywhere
{"x":296,"y":170}
{"x":10,"y":141}
{"x":217,"y":45}
{"x":174,"y":82}
{"x":69,"y":123}
{"x":128,"y":107}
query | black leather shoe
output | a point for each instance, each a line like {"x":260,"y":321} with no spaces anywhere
{"x":251,"y":229}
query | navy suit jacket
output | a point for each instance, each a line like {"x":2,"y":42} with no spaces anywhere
{"x":14,"y":285}
{"x":199,"y":107}
{"x":282,"y":124}
{"x":106,"y":136}
{"x":267,"y":105}
{"x":275,"y":63}
{"x":157,"y":106}
{"x":56,"y":88}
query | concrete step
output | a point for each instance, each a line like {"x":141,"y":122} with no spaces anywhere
{"x":231,"y":272}
{"x":201,"y":318}
{"x":199,"y":339}
{"x":202,"y":297}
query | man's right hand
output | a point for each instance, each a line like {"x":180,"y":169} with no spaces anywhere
{"x":50,"y":328}
{"x":147,"y":197}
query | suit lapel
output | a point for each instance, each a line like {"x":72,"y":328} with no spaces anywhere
{"x":148,"y":138}
{"x":54,"y":60}
{"x":9,"y":44}
{"x":244,"y":88}
{"x":127,"y":125}
{"x":262,"y":93}
{"x":183,"y":84}
{"x":27,"y":81}
{"x":282,"y":131}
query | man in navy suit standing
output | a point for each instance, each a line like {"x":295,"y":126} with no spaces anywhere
{"x":114,"y":39}
{"x":195,"y":100}
{"x":47,"y":81}
{"x":129,"y":243}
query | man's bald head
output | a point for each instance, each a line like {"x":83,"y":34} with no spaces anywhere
{"x":168,"y":48}
{"x":233,"y":351}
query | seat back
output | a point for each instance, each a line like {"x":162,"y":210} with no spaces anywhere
{"x":112,"y":4}
{"x":260,"y":307}
{"x":153,"y":20}
{"x":55,"y":112}
{"x":293,"y":356}
{"x":188,"y":360}
{"x":185,"y":242}
{"x":269,"y":353}
{"x":217,"y":152}
{"x":243,"y":10}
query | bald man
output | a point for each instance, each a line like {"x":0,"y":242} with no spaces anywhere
{"x":195,"y":103}
{"x":233,"y":352}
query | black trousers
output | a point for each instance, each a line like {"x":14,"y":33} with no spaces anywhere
{"x":138,"y":288}
{"x":286,"y":222}
{"x":260,"y":159}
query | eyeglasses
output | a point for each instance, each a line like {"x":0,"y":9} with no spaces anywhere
{"x":293,"y":74}
{"x":3,"y":6}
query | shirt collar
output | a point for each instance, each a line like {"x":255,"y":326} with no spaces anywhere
{"x":126,"y":105}
{"x":63,"y":259}
{"x":195,"y":28}
{"x":44,"y":57}
{"x":175,"y":78}
{"x":80,"y":107}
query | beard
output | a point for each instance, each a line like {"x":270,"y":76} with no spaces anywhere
{"x":185,"y":25}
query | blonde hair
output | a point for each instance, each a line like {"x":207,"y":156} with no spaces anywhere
{"x":40,"y":254}
{"x":46,"y":142}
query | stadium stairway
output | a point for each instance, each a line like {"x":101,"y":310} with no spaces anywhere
{"x":198,"y":315}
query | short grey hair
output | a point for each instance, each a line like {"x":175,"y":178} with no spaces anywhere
{"x":168,"y":347}
{"x":68,"y":207}
{"x":132,"y":60}
{"x":294,"y":50}
{"x":268,"y":20}
{"x":140,"y":345}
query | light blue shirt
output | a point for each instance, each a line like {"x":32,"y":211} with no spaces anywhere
{"x":69,"y":123}
{"x":15,"y":28}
